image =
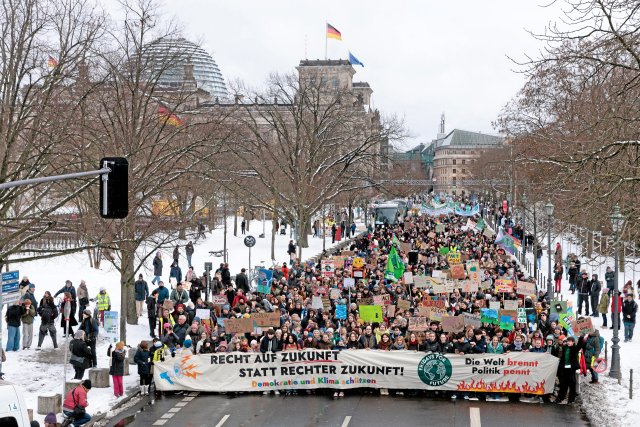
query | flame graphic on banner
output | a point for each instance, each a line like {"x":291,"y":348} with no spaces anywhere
{"x":503,"y":387}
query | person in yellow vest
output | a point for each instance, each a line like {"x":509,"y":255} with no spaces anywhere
{"x":104,"y":303}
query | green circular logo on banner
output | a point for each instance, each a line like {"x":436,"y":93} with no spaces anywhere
{"x":435,"y":370}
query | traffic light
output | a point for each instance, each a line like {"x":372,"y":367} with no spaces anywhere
{"x":114,"y":188}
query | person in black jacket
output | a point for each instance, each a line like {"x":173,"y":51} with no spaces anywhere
{"x":91,"y":328}
{"x":48,"y":313}
{"x":584,"y":290}
{"x":431,"y":345}
{"x":629,"y":310}
{"x":152,"y":312}
{"x":157,"y":268}
{"x":80,"y":354}
{"x":225,"y":275}
{"x":242,"y":282}
{"x":568,"y":355}
{"x":117,"y":367}
{"x":13,"y":316}
{"x":596,"y":287}
{"x":142,"y":359}
{"x":269,"y":343}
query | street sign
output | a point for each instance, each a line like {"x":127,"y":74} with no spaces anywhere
{"x":10,"y":291}
{"x":249,"y":241}
{"x":10,"y":276}
{"x":9,"y":287}
{"x":10,"y":298}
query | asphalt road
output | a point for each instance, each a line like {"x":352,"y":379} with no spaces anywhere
{"x":355,"y":410}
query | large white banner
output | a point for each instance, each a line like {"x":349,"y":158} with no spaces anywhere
{"x":308,"y":369}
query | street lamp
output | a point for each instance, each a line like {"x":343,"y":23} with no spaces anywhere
{"x":524,"y":223}
{"x":549,"y":210}
{"x":617,"y":222}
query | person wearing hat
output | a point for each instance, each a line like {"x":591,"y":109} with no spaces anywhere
{"x":51,"y":420}
{"x":77,"y":397}
{"x":91,"y":329}
{"x":27,"y":324}
{"x":24,"y":285}
{"x":141,"y":290}
{"x":117,"y":367}
{"x":104,"y":303}
{"x":29,"y":294}
{"x":142,"y":358}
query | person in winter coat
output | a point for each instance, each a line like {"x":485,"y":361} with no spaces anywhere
{"x":176,"y":254}
{"x":179,"y":295}
{"x":629,"y":310}
{"x":29,"y":295}
{"x":584,"y":290}
{"x":143,"y":360}
{"x":596,"y":287}
{"x":27,"y":324}
{"x":568,"y":355}
{"x":557,"y":277}
{"x":225,"y":275}
{"x":104,"y":303}
{"x":242,"y":282}
{"x":573,"y":272}
{"x":163,"y":293}
{"x":188,"y":249}
{"x":91,"y":328}
{"x":269,"y":343}
{"x":157,"y":268}
{"x":117,"y":367}
{"x":141,"y":290}
{"x":77,"y":397}
{"x":24,"y":285}
{"x":609,"y":277}
{"x":68,"y":287}
{"x":592,"y":350}
{"x":48,"y":313}
{"x":614,"y":312}
{"x":603,"y":308}
{"x":152,"y":312}
{"x":80,"y":354}
{"x":83,"y":297}
{"x":175,"y":272}
{"x":291,"y":250}
{"x":13,"y":318}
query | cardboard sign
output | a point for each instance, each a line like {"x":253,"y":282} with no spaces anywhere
{"x":526,"y":288}
{"x":510,"y":304}
{"x":473,"y":270}
{"x":522,"y":315}
{"x":453,"y":324}
{"x":489,"y":315}
{"x":382,"y":299}
{"x":437,"y":274}
{"x":438,"y":287}
{"x":326,"y":303}
{"x":335,"y":293}
{"x":238,"y":326}
{"x":424,"y":311}
{"x":507,"y":319}
{"x":473,"y":320}
{"x":219,"y":300}
{"x":408,"y":277}
{"x":487,"y":232}
{"x":421,"y":282}
{"x":485,"y":285}
{"x":437,"y":314}
{"x":328,"y":268}
{"x":371,"y":313}
{"x":403,"y":305}
{"x":365,"y":301}
{"x":504,"y":286}
{"x":494,"y":305}
{"x":203,"y":313}
{"x":316,"y":302}
{"x":418,"y":324}
{"x":267,"y":319}
{"x":469,"y":286}
{"x":428,"y":302}
{"x":454,"y":258}
{"x":439,"y":228}
{"x":391,"y":311}
{"x":348,"y":282}
{"x":449,"y":286}
{"x":582,"y":326}
{"x":457,"y":271}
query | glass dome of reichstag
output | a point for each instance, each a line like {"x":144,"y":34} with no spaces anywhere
{"x":205,"y":70}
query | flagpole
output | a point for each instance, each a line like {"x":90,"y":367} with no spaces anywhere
{"x":326,"y":39}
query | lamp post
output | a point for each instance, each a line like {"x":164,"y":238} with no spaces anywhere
{"x":549,"y":210}
{"x":524,"y":223}
{"x":617,"y":222}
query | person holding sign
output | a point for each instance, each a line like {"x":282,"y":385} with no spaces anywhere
{"x":568,"y":355}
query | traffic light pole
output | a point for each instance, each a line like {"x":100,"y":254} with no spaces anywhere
{"x":11,"y":184}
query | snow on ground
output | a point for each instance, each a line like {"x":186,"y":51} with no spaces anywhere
{"x":41,"y":373}
{"x":606,"y":403}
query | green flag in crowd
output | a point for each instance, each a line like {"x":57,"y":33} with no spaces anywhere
{"x":395,"y":264}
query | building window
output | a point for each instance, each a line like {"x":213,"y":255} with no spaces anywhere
{"x":464,"y":161}
{"x":464,"y":170}
{"x":454,"y":161}
{"x":454,"y":171}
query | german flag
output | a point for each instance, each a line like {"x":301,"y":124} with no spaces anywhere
{"x":333,"y":33}
{"x":168,"y":117}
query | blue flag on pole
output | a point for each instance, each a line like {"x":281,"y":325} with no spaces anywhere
{"x":354,"y":61}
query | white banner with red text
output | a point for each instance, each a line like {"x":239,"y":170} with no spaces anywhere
{"x":518,"y":372}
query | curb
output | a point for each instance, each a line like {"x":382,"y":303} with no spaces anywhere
{"x":100,"y":416}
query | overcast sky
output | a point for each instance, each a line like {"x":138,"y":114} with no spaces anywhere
{"x":421,"y":57}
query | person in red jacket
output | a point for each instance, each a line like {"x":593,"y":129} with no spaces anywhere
{"x":285,"y":270}
{"x":77,"y":397}
{"x":619,"y":310}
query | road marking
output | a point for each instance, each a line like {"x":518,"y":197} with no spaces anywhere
{"x":174,"y":410}
{"x":188,"y":399}
{"x":223,"y":420}
{"x":194,"y":394}
{"x":346,"y":421}
{"x":181,"y":404}
{"x":167,"y":415}
{"x":474,"y":417}
{"x":160,"y":423}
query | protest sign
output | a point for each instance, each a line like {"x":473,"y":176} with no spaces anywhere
{"x":487,"y":232}
{"x":219,"y":300}
{"x":420,"y":282}
{"x":408,"y":277}
{"x":449,"y":286}
{"x":371,"y":313}
{"x":334,"y":293}
{"x":347,"y":369}
{"x":510,"y":304}
{"x":473,"y":320}
{"x":267,"y":319}
{"x":566,"y":319}
{"x":348,"y":282}
{"x":203,"y":313}
{"x":582,"y":326}
{"x":469,"y":286}
{"x":238,"y":326}
{"x":439,"y":228}
{"x":326,"y":303}
{"x":485,"y":285}
{"x":489,"y":315}
{"x":457,"y":271}
{"x":328,"y":268}
{"x":428,"y":302}
{"x":265,"y":277}
{"x":437,"y":274}
{"x":341,"y":311}
{"x":453,"y":324}
{"x":494,"y":305}
{"x":403,"y":305}
{"x":532,"y":315}
{"x":418,"y":324}
{"x":316,"y":302}
{"x":438,"y":287}
{"x":365,"y":301}
{"x":112,"y":325}
{"x":507,"y":319}
{"x":473,"y":270}
{"x":504,"y":286}
{"x":391,"y":310}
{"x":454,"y":258}
{"x":522,"y":315}
{"x":526,"y":288}
{"x":437,"y":314}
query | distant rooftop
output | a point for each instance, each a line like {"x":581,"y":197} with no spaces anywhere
{"x":323,"y":62}
{"x":361,"y":84}
{"x":464,"y":138}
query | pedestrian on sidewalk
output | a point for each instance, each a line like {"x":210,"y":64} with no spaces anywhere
{"x":613,"y":312}
{"x":608,"y":277}
{"x":48,"y":313}
{"x":596,"y":287}
{"x":104,"y":303}
{"x":83,"y":297}
{"x":91,"y":329}
{"x":629,"y":310}
{"x":13,"y":318}
{"x":80,"y":357}
{"x":152,"y":312}
{"x":117,"y":367}
{"x":141,"y":293}
{"x":557,"y":277}
{"x":189,"y":250}
{"x":176,"y":254}
{"x":143,"y":360}
{"x":27,"y":324}
{"x":157,"y":268}
{"x":584,"y":290}
{"x":603,"y":308}
{"x":243,"y":226}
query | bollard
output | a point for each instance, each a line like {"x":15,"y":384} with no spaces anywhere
{"x":630,"y":383}
{"x":577,"y":383}
{"x":606,"y":351}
